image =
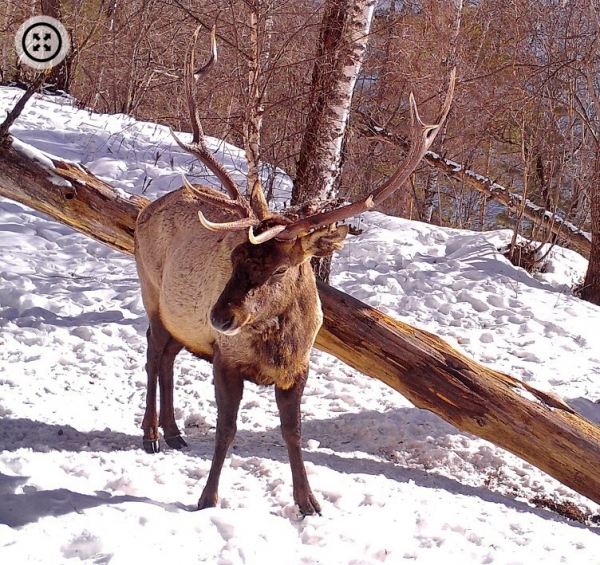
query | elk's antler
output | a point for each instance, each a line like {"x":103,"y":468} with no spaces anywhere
{"x":422,"y":136}
{"x":198,"y":148}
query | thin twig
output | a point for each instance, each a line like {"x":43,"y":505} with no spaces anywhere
{"x":16,"y":111}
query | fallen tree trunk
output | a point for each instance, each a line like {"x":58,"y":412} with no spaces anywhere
{"x":69,"y":193}
{"x":536,"y":426}
{"x":566,"y":232}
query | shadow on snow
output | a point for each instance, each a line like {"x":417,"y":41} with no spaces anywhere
{"x":20,"y":509}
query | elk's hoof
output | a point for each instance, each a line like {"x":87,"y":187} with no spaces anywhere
{"x":176,"y":442}
{"x":309,"y":507}
{"x":152,"y":446}
{"x":207,"y":501}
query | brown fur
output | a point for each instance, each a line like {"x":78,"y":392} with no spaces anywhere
{"x":200,"y":286}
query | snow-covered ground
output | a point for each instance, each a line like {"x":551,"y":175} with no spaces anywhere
{"x":397,"y":484}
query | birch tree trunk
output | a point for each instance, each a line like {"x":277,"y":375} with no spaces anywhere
{"x":342,"y":43}
{"x":340,"y":51}
{"x":254,"y":112}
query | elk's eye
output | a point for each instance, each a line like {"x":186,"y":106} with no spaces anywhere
{"x":280,"y":272}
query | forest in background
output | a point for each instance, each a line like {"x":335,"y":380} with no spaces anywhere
{"x":526,"y":112}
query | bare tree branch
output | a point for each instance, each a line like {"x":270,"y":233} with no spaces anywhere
{"x":16,"y":111}
{"x":563,"y":229}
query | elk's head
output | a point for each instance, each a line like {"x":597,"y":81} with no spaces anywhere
{"x":266,"y":277}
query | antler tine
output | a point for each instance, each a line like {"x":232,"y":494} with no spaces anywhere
{"x":198,"y":147}
{"x":264,"y":236}
{"x":213,"y":196}
{"x":422,"y":136}
{"x":241,"y":224}
{"x":213,"y":54}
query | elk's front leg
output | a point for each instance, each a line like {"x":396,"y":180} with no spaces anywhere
{"x":229,"y":387}
{"x":288,"y":402}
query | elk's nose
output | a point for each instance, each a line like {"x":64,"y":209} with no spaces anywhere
{"x":223,"y":325}
{"x":226,"y":324}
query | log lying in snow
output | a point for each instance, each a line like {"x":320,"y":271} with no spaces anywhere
{"x":536,"y":426}
{"x":69,"y":193}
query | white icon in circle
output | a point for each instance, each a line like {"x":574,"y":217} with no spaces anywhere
{"x":42,"y":42}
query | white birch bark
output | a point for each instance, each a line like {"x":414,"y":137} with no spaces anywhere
{"x":342,"y":44}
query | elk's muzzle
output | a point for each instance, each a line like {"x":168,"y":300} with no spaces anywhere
{"x":228,"y":320}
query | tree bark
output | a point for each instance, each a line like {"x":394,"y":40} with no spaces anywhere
{"x":591,"y":285}
{"x":567,"y":233}
{"x":68,"y":193}
{"x":534,"y":425}
{"x":342,"y":43}
{"x":538,"y":427}
{"x":60,"y":76}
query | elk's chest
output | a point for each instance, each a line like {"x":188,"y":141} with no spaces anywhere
{"x":275,"y":351}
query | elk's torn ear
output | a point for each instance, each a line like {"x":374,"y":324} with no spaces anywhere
{"x":324,"y":241}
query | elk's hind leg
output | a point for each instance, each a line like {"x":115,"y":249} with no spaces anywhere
{"x":167,"y":410}
{"x":162,"y":349}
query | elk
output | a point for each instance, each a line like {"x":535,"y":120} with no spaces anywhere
{"x":231,"y":281}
